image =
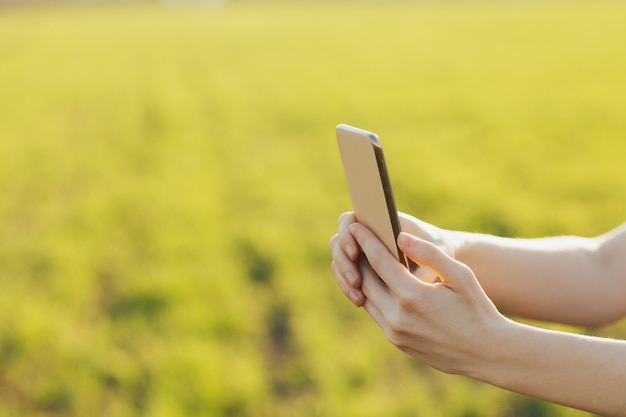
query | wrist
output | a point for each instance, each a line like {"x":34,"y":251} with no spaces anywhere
{"x":462,"y":246}
{"x":497,"y":353}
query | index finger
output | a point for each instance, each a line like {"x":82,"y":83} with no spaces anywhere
{"x":390,"y":270}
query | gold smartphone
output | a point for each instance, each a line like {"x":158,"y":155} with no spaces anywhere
{"x":369,"y":186}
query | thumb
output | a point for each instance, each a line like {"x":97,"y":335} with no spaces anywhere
{"x":451,"y":272}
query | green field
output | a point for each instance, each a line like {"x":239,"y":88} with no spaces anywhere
{"x":169,"y":182}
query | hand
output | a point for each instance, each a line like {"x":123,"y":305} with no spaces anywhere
{"x":444,"y":239}
{"x":346,"y":251}
{"x":449,"y":324}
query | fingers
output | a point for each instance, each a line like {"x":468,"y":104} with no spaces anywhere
{"x":347,"y":243}
{"x":372,"y":285}
{"x":354,"y":294}
{"x":377,"y":293}
{"x":345,"y":253}
{"x":452,"y":273}
{"x":414,"y":226}
{"x":346,"y":266}
{"x":385,"y":265}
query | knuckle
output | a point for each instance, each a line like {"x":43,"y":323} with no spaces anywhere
{"x":397,"y":321}
{"x":344,"y":239}
{"x":335,"y":249}
{"x":405,"y":302}
{"x":333,"y":242}
{"x":339,"y":278}
{"x":410,"y":296}
{"x":346,"y":218}
{"x":394,"y":335}
{"x":335,"y":269}
{"x":397,"y":333}
{"x":400,"y":327}
{"x":465,"y":273}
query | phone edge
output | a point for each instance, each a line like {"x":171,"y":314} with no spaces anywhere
{"x":389,"y":199}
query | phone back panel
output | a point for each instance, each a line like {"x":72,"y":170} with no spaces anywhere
{"x":367,"y":181}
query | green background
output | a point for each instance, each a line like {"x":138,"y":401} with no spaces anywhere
{"x":169,"y":182}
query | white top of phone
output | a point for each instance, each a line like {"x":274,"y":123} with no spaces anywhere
{"x":373,"y":137}
{"x":369,"y":185}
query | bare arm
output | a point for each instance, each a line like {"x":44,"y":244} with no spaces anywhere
{"x":579,"y":281}
{"x":583,"y":372}
{"x":572,"y":280}
{"x":453,"y":326}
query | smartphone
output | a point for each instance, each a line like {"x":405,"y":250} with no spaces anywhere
{"x":369,"y":186}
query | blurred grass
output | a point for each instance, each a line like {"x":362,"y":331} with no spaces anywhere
{"x":170,"y":181}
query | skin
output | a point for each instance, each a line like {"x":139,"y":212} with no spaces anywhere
{"x":435,"y":312}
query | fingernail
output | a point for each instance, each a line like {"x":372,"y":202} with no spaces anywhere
{"x":351,"y":251}
{"x":351,"y":278}
{"x":354,"y":296}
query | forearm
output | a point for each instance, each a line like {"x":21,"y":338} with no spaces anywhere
{"x":562,"y":279}
{"x":582,"y":372}
{"x":453,"y":326}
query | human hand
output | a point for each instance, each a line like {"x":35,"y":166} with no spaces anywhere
{"x":449,"y":324}
{"x":346,"y":251}
{"x":445,"y":240}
